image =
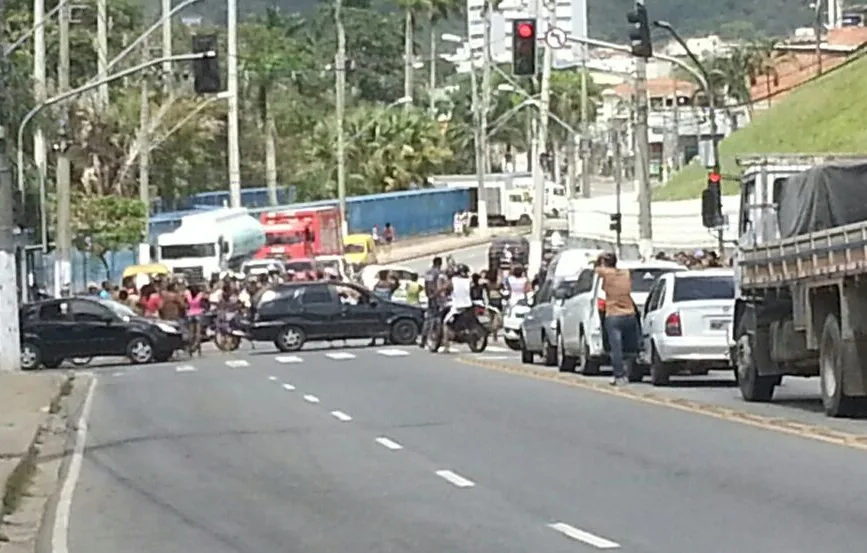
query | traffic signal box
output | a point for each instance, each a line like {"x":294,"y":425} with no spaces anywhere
{"x":711,"y":201}
{"x":639,"y":35}
{"x":524,"y":47}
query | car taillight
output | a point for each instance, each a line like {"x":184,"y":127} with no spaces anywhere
{"x":600,"y":304}
{"x":480,"y":310}
{"x":672,"y":325}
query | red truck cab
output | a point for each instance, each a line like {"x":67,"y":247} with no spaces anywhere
{"x":301,"y":233}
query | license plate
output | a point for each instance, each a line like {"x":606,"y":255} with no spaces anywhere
{"x":484,"y":319}
{"x":719,"y":325}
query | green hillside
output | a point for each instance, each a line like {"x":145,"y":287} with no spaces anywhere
{"x":823,"y":116}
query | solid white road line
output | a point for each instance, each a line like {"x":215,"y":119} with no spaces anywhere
{"x":389,"y":444}
{"x":272,"y":378}
{"x":340,"y":356}
{"x":341,"y":416}
{"x":311,"y":399}
{"x":492,"y":357}
{"x":584,"y":537}
{"x":237,"y":363}
{"x":393,"y":352}
{"x":455,"y":479}
{"x":60,"y":530}
{"x":288,"y":359}
{"x":288,"y":387}
{"x":497,"y":349}
{"x":185,"y":369}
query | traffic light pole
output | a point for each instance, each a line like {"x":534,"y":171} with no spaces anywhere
{"x":538,"y":234}
{"x":618,"y":183}
{"x":642,"y":172}
{"x":482,"y":152}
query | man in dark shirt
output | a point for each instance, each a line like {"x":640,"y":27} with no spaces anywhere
{"x":432,"y":291}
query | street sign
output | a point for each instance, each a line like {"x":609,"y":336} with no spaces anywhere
{"x":555,"y":38}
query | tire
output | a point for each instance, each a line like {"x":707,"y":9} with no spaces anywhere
{"x":635,"y":371}
{"x":526,"y":356}
{"x":549,"y":353}
{"x":404,"y":332}
{"x":565,"y":363}
{"x":227,"y":342}
{"x":434,"y":339}
{"x":514,"y":345}
{"x":479,"y":343}
{"x":290,"y":338}
{"x":660,"y":372}
{"x":140,"y":351}
{"x":753,"y":386}
{"x":31,"y":356}
{"x":831,"y":364}
{"x":588,"y":366}
{"x":52,"y":363}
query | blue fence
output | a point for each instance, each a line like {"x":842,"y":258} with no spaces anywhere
{"x":250,"y":197}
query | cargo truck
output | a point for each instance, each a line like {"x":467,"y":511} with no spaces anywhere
{"x":301,"y":233}
{"x":800,"y":268}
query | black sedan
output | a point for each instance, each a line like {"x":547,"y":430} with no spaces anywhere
{"x":68,"y":328}
{"x":295,"y":313}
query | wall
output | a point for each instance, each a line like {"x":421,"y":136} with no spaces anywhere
{"x":411,"y":213}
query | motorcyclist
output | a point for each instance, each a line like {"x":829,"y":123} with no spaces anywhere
{"x":460,"y":300}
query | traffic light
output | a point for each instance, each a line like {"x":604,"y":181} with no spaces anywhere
{"x":206,"y":71}
{"x":711,"y":201}
{"x":639,"y":35}
{"x":616,"y":223}
{"x":524,"y":47}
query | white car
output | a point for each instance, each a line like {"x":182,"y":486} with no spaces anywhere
{"x":685,"y":323}
{"x":512,"y":319}
{"x":370,"y":275}
{"x":581,"y":343}
{"x":334,"y":262}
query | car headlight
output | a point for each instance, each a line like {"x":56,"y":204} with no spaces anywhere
{"x":167,"y":328}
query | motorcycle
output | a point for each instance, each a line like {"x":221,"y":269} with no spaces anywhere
{"x":467,"y":328}
{"x":227,"y":331}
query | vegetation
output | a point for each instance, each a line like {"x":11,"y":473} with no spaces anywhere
{"x":822,"y":116}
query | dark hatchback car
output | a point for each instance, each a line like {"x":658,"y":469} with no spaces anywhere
{"x":295,"y":313}
{"x":66,"y":328}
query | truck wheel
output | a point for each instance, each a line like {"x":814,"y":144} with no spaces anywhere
{"x":831,"y":362}
{"x":754,"y":387}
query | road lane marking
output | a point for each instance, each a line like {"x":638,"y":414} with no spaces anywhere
{"x":311,"y":399}
{"x":285,"y":359}
{"x":289,"y":387}
{"x":493,"y":357}
{"x":497,"y":349}
{"x":340,"y":356}
{"x":455,"y":479}
{"x":341,"y":416}
{"x":237,"y":363}
{"x":584,"y":537}
{"x":272,"y":378}
{"x":389,"y":444}
{"x":393,"y":352}
{"x":60,"y":533}
{"x":782,"y":425}
{"x":185,"y":369}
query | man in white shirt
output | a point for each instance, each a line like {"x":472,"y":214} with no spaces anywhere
{"x":459,"y":301}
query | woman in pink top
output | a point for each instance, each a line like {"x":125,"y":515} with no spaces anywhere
{"x":196,"y":299}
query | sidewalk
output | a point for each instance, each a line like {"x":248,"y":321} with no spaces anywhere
{"x":411,"y":248}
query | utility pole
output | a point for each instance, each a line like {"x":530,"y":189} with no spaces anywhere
{"x":102,"y":51}
{"x":482,"y":203}
{"x":432,"y":81}
{"x":232,"y":89}
{"x":63,"y":232}
{"x":40,"y":154}
{"x":144,"y":139}
{"x":642,"y":171}
{"x":541,"y":140}
{"x":340,"y":100}
{"x":408,"y":55}
{"x":585,"y":127}
{"x":167,"y":45}
{"x":618,"y":178}
{"x":10,"y":355}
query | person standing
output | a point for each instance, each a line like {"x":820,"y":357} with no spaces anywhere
{"x":431,"y":290}
{"x":621,"y":324}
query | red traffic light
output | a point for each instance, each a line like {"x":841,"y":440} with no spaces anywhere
{"x":714,"y":177}
{"x":525,"y":30}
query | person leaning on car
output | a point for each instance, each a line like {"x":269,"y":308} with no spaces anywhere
{"x":620,"y":322}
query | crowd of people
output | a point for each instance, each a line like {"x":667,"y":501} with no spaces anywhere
{"x":699,"y":259}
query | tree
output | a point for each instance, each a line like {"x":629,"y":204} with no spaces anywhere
{"x":104,"y":224}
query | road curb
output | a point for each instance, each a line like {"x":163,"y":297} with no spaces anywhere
{"x":776,"y":424}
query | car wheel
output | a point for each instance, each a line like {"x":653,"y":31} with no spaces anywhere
{"x":514,"y":345}
{"x":290,"y":338}
{"x":31,"y":356}
{"x":404,"y":332}
{"x":660,"y":372}
{"x":526,"y":356}
{"x":589,"y":367}
{"x":140,"y":351}
{"x":164,"y":357}
{"x":549,"y":353}
{"x":566,"y":363}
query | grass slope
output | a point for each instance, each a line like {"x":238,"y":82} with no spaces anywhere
{"x":823,"y":116}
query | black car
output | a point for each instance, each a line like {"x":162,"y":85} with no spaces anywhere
{"x":68,"y":328}
{"x":295,"y":313}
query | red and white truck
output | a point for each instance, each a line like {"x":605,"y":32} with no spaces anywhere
{"x":301,"y":233}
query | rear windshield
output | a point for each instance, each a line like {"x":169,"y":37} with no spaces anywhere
{"x":643,"y":279}
{"x":704,"y":288}
{"x":299,"y":266}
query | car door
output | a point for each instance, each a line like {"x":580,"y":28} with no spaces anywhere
{"x":365,"y":318}
{"x":646,"y":319}
{"x":570,"y":313}
{"x":319,"y":313}
{"x":54,"y":327}
{"x":100,"y":331}
{"x":540,"y":314}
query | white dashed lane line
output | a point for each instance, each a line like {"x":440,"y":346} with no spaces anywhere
{"x":272,"y":378}
{"x":341,"y":416}
{"x":185,"y":369}
{"x":584,"y":537}
{"x":389,"y":444}
{"x":289,"y":388}
{"x":393,"y":352}
{"x":310,"y":398}
{"x":286,"y":359}
{"x":340,"y":356}
{"x":237,"y":363}
{"x":455,"y":479}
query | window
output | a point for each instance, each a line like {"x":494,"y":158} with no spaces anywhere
{"x":280,"y":239}
{"x":643,"y":279}
{"x":350,"y":295}
{"x":354,"y":248}
{"x":316,"y":295}
{"x":704,"y":288}
{"x":118,"y":309}
{"x":585,"y":281}
{"x":89,"y":312}
{"x":516,"y":197}
{"x":54,"y":312}
{"x":299,"y":266}
{"x":188,"y":250}
{"x":545,"y":292}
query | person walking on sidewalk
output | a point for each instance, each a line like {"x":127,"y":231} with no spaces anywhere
{"x":620,"y":314}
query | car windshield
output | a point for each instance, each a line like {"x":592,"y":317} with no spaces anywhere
{"x":353,"y":248}
{"x":118,"y":309}
{"x":643,"y":278}
{"x":299,"y":266}
{"x":188,"y":250}
{"x":328,"y":263}
{"x":703,"y":288}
